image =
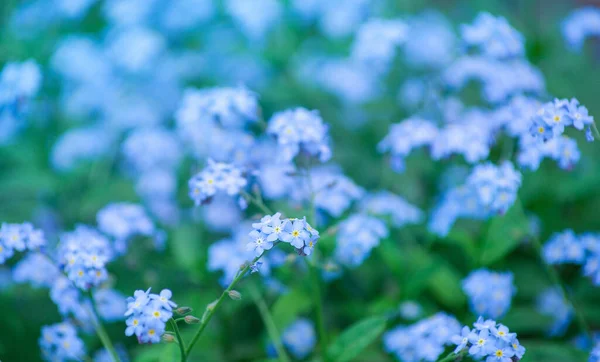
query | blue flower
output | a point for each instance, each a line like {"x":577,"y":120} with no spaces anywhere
{"x":356,"y":237}
{"x":123,"y":221}
{"x":552,"y":303}
{"x":36,"y":269}
{"x":489,"y":293}
{"x":297,"y":234}
{"x":385,"y":203}
{"x":580,"y":24}
{"x":502,"y":353}
{"x":563,"y":248}
{"x":59,"y":342}
{"x":462,"y":340}
{"x":493,"y":36}
{"x":216,"y":178}
{"x":147,"y":315}
{"x":258,"y":242}
{"x":300,"y":130}
{"x":498,"y":346}
{"x":300,"y":338}
{"x":481,"y":344}
{"x":376,"y":43}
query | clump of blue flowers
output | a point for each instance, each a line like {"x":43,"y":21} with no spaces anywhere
{"x":300,"y":130}
{"x":147,"y":315}
{"x":356,"y":237}
{"x":59,"y":342}
{"x":19,"y":237}
{"x":216,"y":177}
{"x":568,"y":248}
{"x":552,"y":303}
{"x":300,"y":338}
{"x":271,"y":229}
{"x":489,"y":341}
{"x":493,"y":37}
{"x":551,"y":120}
{"x":490,"y":293}
{"x":422,"y":341}
{"x":83,"y":255}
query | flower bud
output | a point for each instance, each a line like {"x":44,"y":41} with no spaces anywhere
{"x":168,"y":338}
{"x":183,"y":310}
{"x":234,"y":294}
{"x":190,"y":319}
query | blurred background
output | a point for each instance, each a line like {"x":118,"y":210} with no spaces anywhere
{"x":111,"y":69}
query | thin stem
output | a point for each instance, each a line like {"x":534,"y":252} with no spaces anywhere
{"x":595,"y":130}
{"x":258,"y":202}
{"x":179,"y":339}
{"x":314,"y":271}
{"x":269,"y":323}
{"x":211,"y":308}
{"x":568,"y":297}
{"x":453,"y":356}
{"x":101,"y":331}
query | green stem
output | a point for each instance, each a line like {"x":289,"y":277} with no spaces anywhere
{"x":454,"y":356}
{"x":314,"y":271}
{"x":104,"y":338}
{"x":596,"y":131}
{"x":258,"y":202}
{"x":211,"y":308}
{"x":568,"y":297}
{"x":179,"y":339}
{"x":269,"y":323}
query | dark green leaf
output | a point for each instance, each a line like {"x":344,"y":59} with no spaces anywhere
{"x":355,"y":339}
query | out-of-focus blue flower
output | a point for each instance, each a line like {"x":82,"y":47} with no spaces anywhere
{"x":298,"y":131}
{"x":59,"y":342}
{"x":500,"y":79}
{"x":80,"y":144}
{"x":334,"y":192}
{"x":68,"y":300}
{"x":216,"y":178}
{"x":496,"y":186}
{"x":122,"y":221}
{"x":19,"y":237}
{"x":580,"y":24}
{"x":222,"y":214}
{"x":36,"y":269}
{"x":400,"y":211}
{"x":147,"y":315}
{"x":470,"y":139}
{"x":405,"y":136}
{"x":563,"y":248}
{"x":562,"y":149}
{"x":595,"y":354}
{"x":489,"y":293}
{"x":489,"y":340}
{"x":135,"y":50}
{"x":431,"y":41}
{"x":516,"y":115}
{"x":83,"y":254}
{"x":300,"y":338}
{"x":184,"y":15}
{"x":493,"y":37}
{"x":257,"y":18}
{"x":111,"y":304}
{"x":103,"y":355}
{"x":410,"y":310}
{"x":336,"y":18}
{"x":356,"y":237}
{"x":19,"y":82}
{"x":376,"y":42}
{"x":553,"y":304}
{"x":422,"y":341}
{"x":150,"y":148}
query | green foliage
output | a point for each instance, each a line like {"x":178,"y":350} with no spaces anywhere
{"x":352,"y":341}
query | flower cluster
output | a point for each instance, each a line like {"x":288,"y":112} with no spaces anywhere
{"x":397,"y":209}
{"x":489,"y":340}
{"x":493,"y":37}
{"x":490,"y":293}
{"x":568,"y":248}
{"x":496,"y":186}
{"x":422,"y":341}
{"x":300,"y":130}
{"x":405,"y":136}
{"x":333,"y":191}
{"x":59,"y":342}
{"x":272,"y":229}
{"x":300,"y":338}
{"x":552,"y":303}
{"x":18,"y":83}
{"x":356,"y":237}
{"x":83,"y":255}
{"x":376,"y":42}
{"x":488,"y":191}
{"x":37,"y":270}
{"x":147,"y":315}
{"x":550,"y":120}
{"x":216,"y":177}
{"x":580,"y":24}
{"x":19,"y":237}
{"x":123,"y":221}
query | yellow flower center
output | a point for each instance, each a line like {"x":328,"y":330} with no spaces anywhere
{"x":156,"y":314}
{"x":210,"y":181}
{"x":151,"y":332}
{"x":541,"y":130}
{"x":136,"y":322}
{"x":556,"y":118}
{"x":481,"y":342}
{"x":310,"y":244}
{"x":501,"y":333}
{"x":499,"y":353}
{"x":295,"y":233}
{"x":80,"y":273}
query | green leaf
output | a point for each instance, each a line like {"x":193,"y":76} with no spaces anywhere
{"x":526,"y":320}
{"x":446,"y":285}
{"x":186,"y":246}
{"x":289,"y":306}
{"x":504,"y":234}
{"x":161,"y":352}
{"x":355,"y":339}
{"x":539,"y":351}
